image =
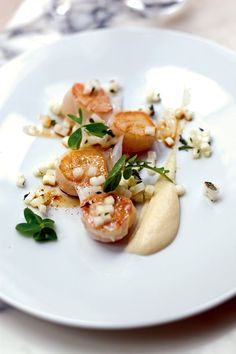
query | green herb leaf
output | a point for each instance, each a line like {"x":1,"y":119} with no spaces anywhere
{"x":45,"y":235}
{"x":27,"y":228}
{"x":132,"y":159}
{"x":97,"y":129}
{"x":182,"y":140}
{"x":50,"y":234}
{"x":40,"y":229}
{"x":48,"y":223}
{"x":31,"y":217}
{"x":112,"y":183}
{"x":129,"y":168}
{"x":161,"y":170}
{"x":127,"y":172}
{"x":114,"y":176}
{"x":39,"y":236}
{"x":75,"y":118}
{"x":185,"y":148}
{"x":75,"y":139}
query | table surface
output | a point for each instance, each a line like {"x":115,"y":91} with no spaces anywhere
{"x":213,"y":332}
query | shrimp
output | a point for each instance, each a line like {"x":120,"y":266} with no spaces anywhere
{"x":95,"y":102}
{"x":108,"y":216}
{"x":74,"y":169}
{"x":138,"y":129}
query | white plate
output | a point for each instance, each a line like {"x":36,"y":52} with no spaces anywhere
{"x":77,"y":281}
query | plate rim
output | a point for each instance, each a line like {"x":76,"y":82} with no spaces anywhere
{"x":217,"y":300}
{"x":96,"y":325}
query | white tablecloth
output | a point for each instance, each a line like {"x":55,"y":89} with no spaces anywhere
{"x":213,"y":332}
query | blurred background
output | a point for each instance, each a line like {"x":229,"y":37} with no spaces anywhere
{"x":25,"y":24}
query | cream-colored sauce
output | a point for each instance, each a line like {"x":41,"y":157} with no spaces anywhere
{"x":159,"y":220}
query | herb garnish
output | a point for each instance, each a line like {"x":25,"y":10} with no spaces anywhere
{"x":185,"y":148}
{"x":185,"y":145}
{"x":129,"y":168}
{"x":77,"y":119}
{"x":96,"y":129}
{"x":40,"y":229}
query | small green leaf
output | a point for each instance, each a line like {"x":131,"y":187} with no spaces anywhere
{"x":45,"y":235}
{"x":50,"y":234}
{"x":75,"y":139}
{"x":29,"y":228}
{"x":47,"y":223}
{"x":97,"y":129}
{"x":182,"y":140}
{"x":31,"y":217}
{"x":127,"y":172}
{"x":132,"y":159}
{"x":185,"y":148}
{"x":112,"y":183}
{"x":161,"y":170}
{"x":40,"y":229}
{"x":114,"y":176}
{"x":75,"y":118}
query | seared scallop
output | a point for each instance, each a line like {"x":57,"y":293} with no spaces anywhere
{"x":108,"y":216}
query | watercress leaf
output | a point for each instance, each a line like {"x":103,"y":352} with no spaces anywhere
{"x":50,"y":234}
{"x":45,"y":235}
{"x":39,"y":236}
{"x":97,"y":129}
{"x":75,"y":139}
{"x":27,"y":228}
{"x":31,"y":217}
{"x":49,"y":220}
{"x":75,"y":118}
{"x":127,"y":172}
{"x":47,"y":223}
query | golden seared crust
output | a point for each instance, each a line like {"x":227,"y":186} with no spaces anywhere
{"x":132,"y":125}
{"x":83,"y":158}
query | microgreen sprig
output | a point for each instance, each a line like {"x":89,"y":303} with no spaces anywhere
{"x":40,"y":229}
{"x":96,"y":129}
{"x":129,"y":168}
{"x":185,"y":146}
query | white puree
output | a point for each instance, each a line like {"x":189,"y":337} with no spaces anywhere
{"x":159,"y":220}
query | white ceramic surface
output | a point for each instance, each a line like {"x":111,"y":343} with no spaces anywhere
{"x":77,"y":281}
